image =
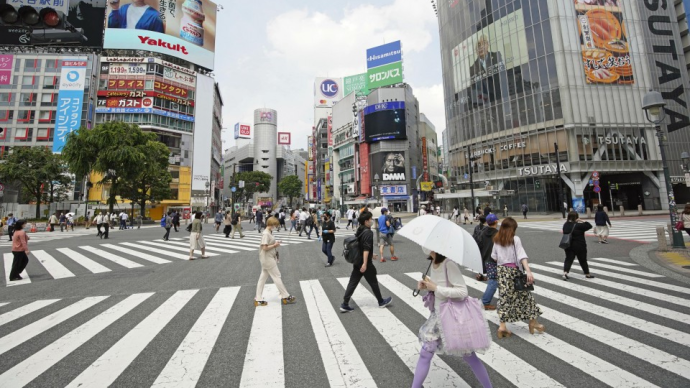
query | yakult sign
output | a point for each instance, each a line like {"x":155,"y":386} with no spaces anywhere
{"x":327,"y":91}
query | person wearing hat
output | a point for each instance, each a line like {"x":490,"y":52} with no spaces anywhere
{"x":386,"y":231}
{"x":486,"y":246}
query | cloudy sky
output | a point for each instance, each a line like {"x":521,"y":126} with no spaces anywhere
{"x":268,"y":53}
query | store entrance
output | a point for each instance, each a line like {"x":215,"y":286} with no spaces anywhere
{"x":627,"y":190}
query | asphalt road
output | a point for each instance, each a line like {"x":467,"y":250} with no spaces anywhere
{"x":164,"y":321}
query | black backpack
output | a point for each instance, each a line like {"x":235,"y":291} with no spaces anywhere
{"x":351,"y":251}
{"x":235,"y":218}
{"x":309,"y":221}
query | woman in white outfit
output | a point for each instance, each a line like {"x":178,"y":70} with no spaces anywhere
{"x":196,"y":240}
{"x":268,"y":256}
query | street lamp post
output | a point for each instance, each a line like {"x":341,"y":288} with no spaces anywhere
{"x":208,"y":193}
{"x":376,"y":182}
{"x":564,"y":209}
{"x":653,"y":105}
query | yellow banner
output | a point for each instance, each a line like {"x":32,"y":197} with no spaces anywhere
{"x":427,"y":186}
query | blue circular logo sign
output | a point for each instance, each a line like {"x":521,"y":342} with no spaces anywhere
{"x":329,"y":88}
{"x":72,"y":76}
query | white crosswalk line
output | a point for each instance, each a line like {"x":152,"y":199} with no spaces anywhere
{"x":263,"y":361}
{"x":208,"y":247}
{"x":213,"y":243}
{"x":621,"y":287}
{"x":3,"y":304}
{"x":236,"y":243}
{"x":496,"y":357}
{"x":143,"y":256}
{"x":104,"y":371}
{"x":174,"y":247}
{"x":589,"y":363}
{"x":54,"y":268}
{"x":627,"y":302}
{"x":114,"y":258}
{"x":8,"y":258}
{"x":344,"y":367}
{"x":618,"y":262}
{"x":402,"y":340}
{"x":156,"y":250}
{"x":642,"y":231}
{"x":24,"y":310}
{"x":651,"y":283}
{"x":33,"y":329}
{"x":626,"y":270}
{"x":39,"y":362}
{"x":185,"y":366}
{"x":84,"y":261}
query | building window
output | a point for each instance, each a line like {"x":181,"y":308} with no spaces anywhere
{"x":32,"y":65}
{"x":4,"y":133}
{"x":27,"y":99}
{"x":49,"y":99}
{"x":5,"y":99}
{"x":28,"y":80}
{"x":46,"y":116}
{"x":26,"y":116}
{"x":23,"y":134}
{"x":50,"y":82}
{"x":51,"y":65}
{"x":44,"y":134}
{"x":6,"y":115}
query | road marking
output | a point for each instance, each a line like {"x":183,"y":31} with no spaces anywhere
{"x":25,"y":310}
{"x":618,"y":262}
{"x":263,"y":361}
{"x":344,"y":367}
{"x":212,"y":243}
{"x":114,"y":258}
{"x":33,"y":329}
{"x":156,"y":250}
{"x":144,"y":256}
{"x":208,"y":248}
{"x":4,"y":303}
{"x":84,"y":261}
{"x":496,"y":357}
{"x":185,"y":366}
{"x":590,"y":364}
{"x":54,"y":268}
{"x":39,"y":362}
{"x":403,"y":341}
{"x":105,"y":370}
{"x":626,"y":270}
{"x":174,"y":247}
{"x":9,"y":257}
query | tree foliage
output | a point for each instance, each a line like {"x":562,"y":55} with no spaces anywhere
{"x":116,"y":150}
{"x":254,"y":182}
{"x":291,"y":187}
{"x":153,"y":181}
{"x":34,"y":169}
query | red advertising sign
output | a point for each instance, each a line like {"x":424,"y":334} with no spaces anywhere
{"x":364,"y":168}
{"x":115,"y":102}
{"x":425,"y":160}
{"x":330,"y":130}
{"x":145,"y":93}
{"x":176,"y":90}
{"x":125,"y":84}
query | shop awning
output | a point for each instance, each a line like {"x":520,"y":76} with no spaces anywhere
{"x":465,"y":194}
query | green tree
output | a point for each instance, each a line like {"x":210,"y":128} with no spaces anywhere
{"x":291,"y":187}
{"x":115,"y":150}
{"x":57,"y":188}
{"x":254,"y":182}
{"x":33,"y":169}
{"x":153,"y":180}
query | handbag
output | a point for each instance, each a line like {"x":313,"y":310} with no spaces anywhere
{"x":465,"y":328}
{"x":565,"y":240}
{"x":680,"y":225}
{"x":520,"y":281}
{"x":189,"y":228}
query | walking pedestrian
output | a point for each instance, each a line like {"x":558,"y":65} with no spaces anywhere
{"x":578,"y":245}
{"x":487,"y":210}
{"x":303,"y":216}
{"x":466,"y":215}
{"x":337,"y":218}
{"x":88,"y":220}
{"x":20,"y":251}
{"x":140,"y":219}
{"x":685,"y":217}
{"x":63,"y":222}
{"x":601,"y":219}
{"x":486,"y":246}
{"x":524,"y":210}
{"x":311,"y":223}
{"x":281,"y":219}
{"x":445,"y":282}
{"x":386,"y":232}
{"x":269,"y":259}
{"x":70,"y":222}
{"x":294,"y":217}
{"x":237,"y":224}
{"x":455,"y":214}
{"x":176,"y":221}
{"x":167,"y":224}
{"x":364,"y":266}
{"x":227,"y":223}
{"x":511,"y":258}
{"x":348,"y":214}
{"x":53,"y":221}
{"x":218,"y":220}
{"x":98,"y":220}
{"x":328,"y":233}
{"x":252,"y":216}
{"x":505,"y":211}
{"x":476,"y":235}
{"x":106,"y":225}
{"x":123,"y":220}
{"x":259,"y":219}
{"x":478,"y":212}
{"x":196,"y":239}
{"x":12,"y":221}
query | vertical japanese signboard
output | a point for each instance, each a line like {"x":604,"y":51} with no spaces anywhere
{"x":5,"y":69}
{"x":70,"y":100}
{"x":425,"y":160}
{"x":330,"y":130}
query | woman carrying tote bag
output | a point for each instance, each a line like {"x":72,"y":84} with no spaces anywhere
{"x":456,"y":326}
{"x":196,"y":240}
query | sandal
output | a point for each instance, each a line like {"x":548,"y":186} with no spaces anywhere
{"x":205,"y":257}
{"x":192,"y":258}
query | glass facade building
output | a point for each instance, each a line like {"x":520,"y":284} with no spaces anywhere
{"x":541,"y":94}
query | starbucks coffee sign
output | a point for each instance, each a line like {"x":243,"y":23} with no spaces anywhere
{"x":543,"y":169}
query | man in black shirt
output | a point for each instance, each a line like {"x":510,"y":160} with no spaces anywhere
{"x":486,"y":245}
{"x":328,"y":233}
{"x":364,"y":266}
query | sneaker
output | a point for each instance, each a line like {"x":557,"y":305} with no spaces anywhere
{"x":345,"y":308}
{"x":328,"y":265}
{"x":605,"y":242}
{"x":258,"y":303}
{"x":489,"y":307}
{"x":289,"y":300}
{"x":386,"y":302}
{"x":394,"y":258}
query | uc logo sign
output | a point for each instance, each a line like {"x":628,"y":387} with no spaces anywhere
{"x":329,"y":88}
{"x":72,"y":76}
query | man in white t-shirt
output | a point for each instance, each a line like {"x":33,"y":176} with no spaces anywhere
{"x":302,"y":220}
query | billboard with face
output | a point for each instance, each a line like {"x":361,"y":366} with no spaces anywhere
{"x":185,"y":29}
{"x":390,"y":166}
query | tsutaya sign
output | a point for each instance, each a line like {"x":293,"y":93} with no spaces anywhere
{"x":543,"y":169}
{"x":619,"y":139}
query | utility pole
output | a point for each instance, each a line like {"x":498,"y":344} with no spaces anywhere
{"x":234,"y":185}
{"x":560,"y":181}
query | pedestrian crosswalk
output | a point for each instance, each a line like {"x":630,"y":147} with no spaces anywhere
{"x":618,"y":330}
{"x":640,"y":231}
{"x":62,"y":263}
{"x":38,"y":237}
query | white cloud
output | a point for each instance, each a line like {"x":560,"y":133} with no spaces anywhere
{"x":431,"y":104}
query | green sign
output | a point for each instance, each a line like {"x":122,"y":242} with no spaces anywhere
{"x":356,"y":83}
{"x":385,"y":75}
{"x":237,"y":206}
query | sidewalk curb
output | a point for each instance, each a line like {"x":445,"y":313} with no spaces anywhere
{"x":642,"y":255}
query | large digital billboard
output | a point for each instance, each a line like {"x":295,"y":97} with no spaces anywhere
{"x":604,"y":40}
{"x":390,"y":166}
{"x":385,"y":121}
{"x":185,"y":29}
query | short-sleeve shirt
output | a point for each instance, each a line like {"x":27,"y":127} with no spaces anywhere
{"x":267,"y":257}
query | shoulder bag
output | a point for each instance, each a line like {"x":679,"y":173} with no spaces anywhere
{"x":565,"y":240}
{"x":463,"y":323}
{"x":520,"y":281}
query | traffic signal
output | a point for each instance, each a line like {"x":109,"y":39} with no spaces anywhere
{"x":26,"y":16}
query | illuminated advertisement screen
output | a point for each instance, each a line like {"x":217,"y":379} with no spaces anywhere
{"x":185,"y":29}
{"x":385,"y":121}
{"x":604,"y":40}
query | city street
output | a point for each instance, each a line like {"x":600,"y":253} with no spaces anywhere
{"x":131,"y":311}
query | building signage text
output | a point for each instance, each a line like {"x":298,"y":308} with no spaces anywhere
{"x":544,"y":169}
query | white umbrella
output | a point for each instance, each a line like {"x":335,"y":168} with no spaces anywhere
{"x":443,"y":236}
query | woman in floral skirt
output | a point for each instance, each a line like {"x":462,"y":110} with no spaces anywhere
{"x":510,"y":256}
